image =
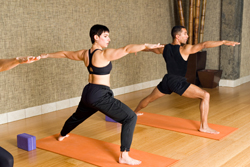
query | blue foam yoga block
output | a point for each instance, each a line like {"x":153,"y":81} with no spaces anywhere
{"x":109,"y":119}
{"x":26,"y":141}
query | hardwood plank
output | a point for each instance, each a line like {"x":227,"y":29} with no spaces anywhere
{"x":228,"y":106}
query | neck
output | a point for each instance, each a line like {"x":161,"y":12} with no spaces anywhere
{"x":96,"y":46}
{"x":176,"y":42}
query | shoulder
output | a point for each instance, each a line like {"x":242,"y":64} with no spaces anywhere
{"x":186,"y":46}
{"x":84,"y":53}
{"x":167,"y":46}
{"x":186,"y":49}
{"x":100,"y":54}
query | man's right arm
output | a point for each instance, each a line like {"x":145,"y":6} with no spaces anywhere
{"x":155,"y":50}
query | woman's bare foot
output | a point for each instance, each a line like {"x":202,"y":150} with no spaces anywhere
{"x":208,"y":130}
{"x":126,"y":159}
{"x":139,"y":113}
{"x":60,"y":138}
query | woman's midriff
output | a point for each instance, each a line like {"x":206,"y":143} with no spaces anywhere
{"x":100,"y":79}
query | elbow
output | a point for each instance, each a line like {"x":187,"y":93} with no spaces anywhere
{"x":63,"y":55}
{"x":204,"y":46}
{"x":127,"y":50}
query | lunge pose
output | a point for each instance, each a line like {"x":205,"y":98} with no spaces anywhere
{"x":97,"y":95}
{"x":176,"y":55}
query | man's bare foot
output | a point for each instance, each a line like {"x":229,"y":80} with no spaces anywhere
{"x":60,"y":138}
{"x":208,"y":130}
{"x":126,"y":159}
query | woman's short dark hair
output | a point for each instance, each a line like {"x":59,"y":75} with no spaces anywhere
{"x":97,"y":30}
{"x":176,"y":30}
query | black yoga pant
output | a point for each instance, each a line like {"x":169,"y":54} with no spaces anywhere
{"x":6,"y":159}
{"x":100,"y":98}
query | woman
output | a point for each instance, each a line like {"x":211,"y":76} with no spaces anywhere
{"x":97,"y":95}
{"x":6,"y":159}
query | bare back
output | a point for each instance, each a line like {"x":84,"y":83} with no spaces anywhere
{"x":98,"y":60}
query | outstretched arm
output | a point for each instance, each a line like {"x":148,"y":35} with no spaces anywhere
{"x":114,"y":54}
{"x":73,"y":55}
{"x":155,"y":50}
{"x":7,"y":64}
{"x":190,"y":49}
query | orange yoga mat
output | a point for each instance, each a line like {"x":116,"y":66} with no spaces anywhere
{"x":98,"y":152}
{"x":182,"y":125}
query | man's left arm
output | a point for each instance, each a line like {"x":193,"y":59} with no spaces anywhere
{"x":190,"y":49}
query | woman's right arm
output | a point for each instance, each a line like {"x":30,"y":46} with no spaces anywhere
{"x":73,"y":55}
{"x":7,"y":64}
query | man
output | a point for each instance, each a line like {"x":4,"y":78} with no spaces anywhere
{"x":6,"y":159}
{"x":176,"y":55}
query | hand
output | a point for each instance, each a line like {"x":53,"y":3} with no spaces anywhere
{"x":44,"y":56}
{"x":29,"y":59}
{"x":231,"y":43}
{"x":152,"y":46}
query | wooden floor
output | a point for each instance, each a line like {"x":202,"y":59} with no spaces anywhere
{"x":228,"y":106}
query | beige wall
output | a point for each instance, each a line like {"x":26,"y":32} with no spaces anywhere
{"x":212,"y":33}
{"x":211,"y":29}
{"x":30,"y":27}
{"x":34,"y":27}
{"x":245,"y":41}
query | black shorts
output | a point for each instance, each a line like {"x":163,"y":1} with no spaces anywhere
{"x":173,"y":83}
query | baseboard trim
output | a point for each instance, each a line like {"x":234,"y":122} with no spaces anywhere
{"x":59,"y":105}
{"x":234,"y":83}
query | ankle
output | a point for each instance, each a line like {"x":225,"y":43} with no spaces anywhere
{"x":124,"y":154}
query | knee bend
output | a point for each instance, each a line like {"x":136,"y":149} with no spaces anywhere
{"x":206,"y":95}
{"x":132,"y":117}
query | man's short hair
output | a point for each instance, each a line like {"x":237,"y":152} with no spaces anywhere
{"x":176,"y":30}
{"x":97,"y":30}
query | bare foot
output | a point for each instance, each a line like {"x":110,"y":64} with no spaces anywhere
{"x":208,"y":130}
{"x":139,"y":113}
{"x":60,"y":138}
{"x":126,"y":159}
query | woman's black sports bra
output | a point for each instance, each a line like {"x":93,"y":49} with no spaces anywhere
{"x":98,"y":70}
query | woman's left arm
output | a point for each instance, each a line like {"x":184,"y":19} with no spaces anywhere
{"x":114,"y":54}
